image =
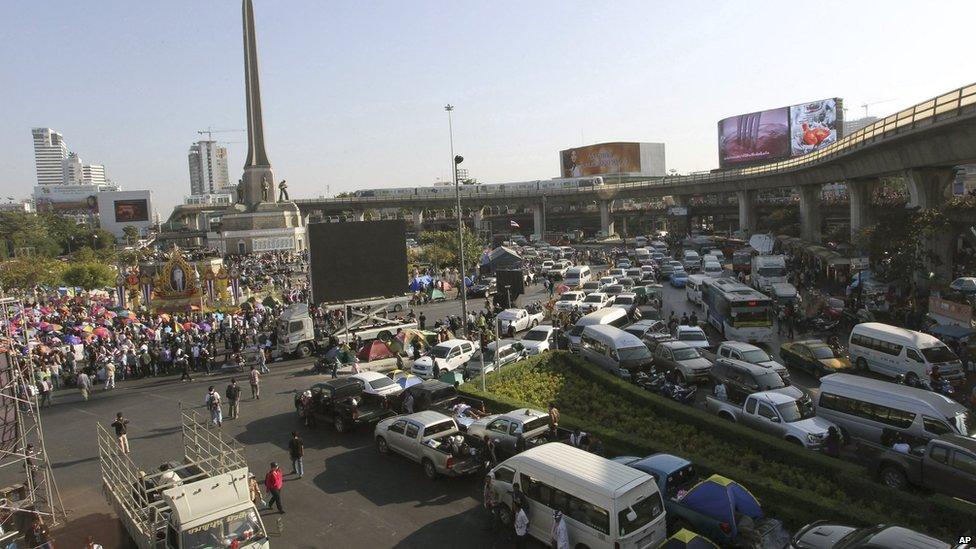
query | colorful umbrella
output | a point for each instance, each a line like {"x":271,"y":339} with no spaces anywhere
{"x":72,"y":340}
{"x":101,"y":331}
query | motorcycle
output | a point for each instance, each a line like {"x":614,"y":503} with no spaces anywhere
{"x":652,"y":382}
{"x":943,"y":387}
{"x":685,"y":394}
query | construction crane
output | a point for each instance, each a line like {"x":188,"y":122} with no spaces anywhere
{"x":866,"y":105}
{"x":210,"y":131}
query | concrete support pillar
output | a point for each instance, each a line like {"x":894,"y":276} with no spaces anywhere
{"x":538,"y":220}
{"x":359,"y":215}
{"x":418,"y":218}
{"x":478,"y":219}
{"x":747,"y":211}
{"x":606,"y":222}
{"x":928,"y":186}
{"x":859,"y":193}
{"x":810,"y":219}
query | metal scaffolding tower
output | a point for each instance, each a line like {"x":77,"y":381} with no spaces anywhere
{"x":23,"y":454}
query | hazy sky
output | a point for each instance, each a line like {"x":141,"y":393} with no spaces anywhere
{"x":353,"y":92}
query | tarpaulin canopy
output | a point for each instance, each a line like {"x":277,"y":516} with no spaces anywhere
{"x":374,"y":350}
{"x":503,"y":258}
{"x":722,"y":499}
{"x":951,"y":331}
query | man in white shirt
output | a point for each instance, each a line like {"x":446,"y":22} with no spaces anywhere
{"x":521,"y":528}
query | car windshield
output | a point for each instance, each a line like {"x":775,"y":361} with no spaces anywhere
{"x":624,"y":300}
{"x":770,"y":380}
{"x":634,"y":353}
{"x":438,"y":428}
{"x":938,"y":354}
{"x":244,"y":526}
{"x":593,"y":298}
{"x":646,"y":510}
{"x":795,"y":411}
{"x":772,"y":271}
{"x":686,"y":354}
{"x":381,"y":382}
{"x":823,"y":352}
{"x":692,"y":336}
{"x":568,"y":297}
{"x":536,"y":335}
{"x":591,"y":285}
{"x":755,"y":356}
{"x":440,"y":352}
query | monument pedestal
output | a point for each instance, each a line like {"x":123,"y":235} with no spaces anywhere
{"x":265,"y":227}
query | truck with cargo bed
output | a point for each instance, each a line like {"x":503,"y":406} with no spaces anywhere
{"x":200,"y":500}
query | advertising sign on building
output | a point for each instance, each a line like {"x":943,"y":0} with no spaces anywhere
{"x":613,"y":158}
{"x":950,"y":312}
{"x":778,"y":134}
{"x":128,"y":211}
{"x":120,"y":209}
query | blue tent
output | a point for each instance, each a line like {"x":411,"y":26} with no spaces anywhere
{"x":720,"y":498}
{"x":418,"y":283}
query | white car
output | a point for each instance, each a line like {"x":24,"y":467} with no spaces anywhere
{"x":547,"y":264}
{"x":607,"y":280}
{"x":447,"y":355}
{"x":375,"y":383}
{"x":694,"y":336}
{"x":568,"y":301}
{"x":712,"y":269}
{"x":965,"y":284}
{"x":625,"y":300}
{"x":512,"y":321}
{"x":591,"y":286}
{"x":618,"y":273}
{"x":539,"y":339}
{"x":559,"y":268}
{"x":595,"y":302}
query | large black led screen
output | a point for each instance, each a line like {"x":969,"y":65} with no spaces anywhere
{"x":357,"y":260}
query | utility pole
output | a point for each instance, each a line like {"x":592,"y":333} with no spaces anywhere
{"x":455,"y":160}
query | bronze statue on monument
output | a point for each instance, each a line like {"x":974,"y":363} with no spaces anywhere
{"x":282,"y":191}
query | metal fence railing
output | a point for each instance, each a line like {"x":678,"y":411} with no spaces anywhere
{"x":938,"y":109}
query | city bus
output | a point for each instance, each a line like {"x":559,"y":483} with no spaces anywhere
{"x":739,"y":312}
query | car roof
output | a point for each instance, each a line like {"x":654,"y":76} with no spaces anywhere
{"x":542,"y":327}
{"x":690,"y":329}
{"x":741,"y":345}
{"x":427,"y":417}
{"x":754,"y":369}
{"x":502,"y":343}
{"x":676,"y":344}
{"x":773,"y":397}
{"x":903,"y":335}
{"x":812,"y":343}
{"x":522,"y":414}
{"x":590,"y":471}
{"x":665,"y":463}
{"x":368,"y":376}
{"x":959,"y":441}
{"x":619,"y":337}
{"x":897,"y":536}
{"x":452,"y":342}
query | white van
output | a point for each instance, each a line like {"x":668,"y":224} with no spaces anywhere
{"x":613,"y":349}
{"x":864,"y":408}
{"x":894,"y":351}
{"x":610,"y":316}
{"x":690,"y":260}
{"x":604,"y":503}
{"x":693,"y":288}
{"x":577,"y":276}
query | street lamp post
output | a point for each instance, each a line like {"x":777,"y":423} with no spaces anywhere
{"x":455,"y":160}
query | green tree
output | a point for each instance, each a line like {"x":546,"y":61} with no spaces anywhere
{"x":23,"y":230}
{"x":131,"y":234}
{"x":440,"y":249}
{"x":26,"y":273}
{"x":899,"y":244}
{"x":89,"y":275}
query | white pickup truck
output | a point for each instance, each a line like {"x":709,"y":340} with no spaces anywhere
{"x":431,"y":439}
{"x":777,"y":414}
{"x":512,"y":321}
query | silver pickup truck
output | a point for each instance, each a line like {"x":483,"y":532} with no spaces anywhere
{"x":777,"y":414}
{"x":505,"y":429}
{"x":431,"y":439}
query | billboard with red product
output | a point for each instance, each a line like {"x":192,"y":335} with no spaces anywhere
{"x":778,"y":134}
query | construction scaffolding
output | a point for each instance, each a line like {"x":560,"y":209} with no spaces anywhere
{"x":23,"y":454}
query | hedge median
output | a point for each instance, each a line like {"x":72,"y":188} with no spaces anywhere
{"x":794,"y":484}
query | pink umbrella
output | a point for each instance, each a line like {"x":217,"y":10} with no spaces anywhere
{"x":101,"y":331}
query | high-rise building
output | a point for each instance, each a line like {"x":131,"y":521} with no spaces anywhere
{"x":50,"y":154}
{"x":78,"y":173}
{"x":851,"y":126}
{"x":208,"y":168}
{"x":93,"y":174}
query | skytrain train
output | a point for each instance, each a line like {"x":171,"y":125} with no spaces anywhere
{"x":487,"y":189}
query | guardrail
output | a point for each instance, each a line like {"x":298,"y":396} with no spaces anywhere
{"x":944,"y":107}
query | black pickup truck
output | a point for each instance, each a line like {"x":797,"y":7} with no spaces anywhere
{"x":343,"y":403}
{"x":946,"y":464}
{"x":434,"y":395}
